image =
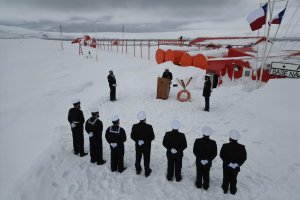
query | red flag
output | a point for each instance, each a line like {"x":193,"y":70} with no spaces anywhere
{"x":257,"y":18}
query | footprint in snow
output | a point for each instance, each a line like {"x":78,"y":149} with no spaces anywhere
{"x":71,"y":189}
{"x":65,"y":174}
{"x":53,"y":157}
{"x":54,"y":184}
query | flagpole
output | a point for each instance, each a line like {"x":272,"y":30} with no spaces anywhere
{"x":280,"y":22}
{"x":61,"y":40}
{"x":267,"y":39}
{"x":275,"y":33}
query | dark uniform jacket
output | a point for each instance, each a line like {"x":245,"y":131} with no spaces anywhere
{"x":207,"y":88}
{"x":76,"y":116}
{"x":233,"y":152}
{"x":167,"y":75}
{"x":205,"y":149}
{"x":95,"y":126}
{"x":142,"y":131}
{"x":115,"y":134}
{"x":175,"y":140}
{"x":111,"y":79}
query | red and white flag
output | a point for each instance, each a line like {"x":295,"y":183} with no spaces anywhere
{"x":257,"y":18}
{"x":277,"y":19}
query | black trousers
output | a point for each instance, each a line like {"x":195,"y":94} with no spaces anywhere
{"x":78,"y":139}
{"x":174,"y":162}
{"x":229,"y":177}
{"x":206,"y":103}
{"x":112,"y":92}
{"x":117,"y":159}
{"x":145,"y":151}
{"x":202,"y":175}
{"x":96,"y":151}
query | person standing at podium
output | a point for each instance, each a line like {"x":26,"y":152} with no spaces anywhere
{"x":167,"y":74}
{"x":112,"y":85}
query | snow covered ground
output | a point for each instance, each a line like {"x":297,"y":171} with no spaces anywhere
{"x":38,"y":81}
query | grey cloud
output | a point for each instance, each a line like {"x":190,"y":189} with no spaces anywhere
{"x":100,"y":25}
{"x":104,"y":4}
{"x":136,"y":15}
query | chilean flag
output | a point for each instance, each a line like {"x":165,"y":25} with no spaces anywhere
{"x":277,"y":19}
{"x":257,"y":18}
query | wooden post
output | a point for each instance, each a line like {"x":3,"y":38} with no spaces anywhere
{"x":141,"y":48}
{"x":148,"y":50}
{"x":134,"y":47}
{"x":80,"y":49}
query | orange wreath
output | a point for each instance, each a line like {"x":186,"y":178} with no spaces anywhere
{"x":184,"y":95}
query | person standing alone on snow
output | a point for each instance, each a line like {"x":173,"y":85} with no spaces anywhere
{"x":205,"y":151}
{"x":143,"y":135}
{"x":112,"y":85}
{"x":175,"y":143}
{"x":116,"y":136}
{"x":207,"y":91}
{"x":94,"y":127}
{"x":76,"y":120}
{"x":233,"y":155}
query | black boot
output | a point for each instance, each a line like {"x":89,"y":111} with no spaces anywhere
{"x":102,"y":162}
{"x":83,"y":154}
{"x":148,"y":172}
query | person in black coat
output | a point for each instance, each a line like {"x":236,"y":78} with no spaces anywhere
{"x":233,"y":155}
{"x":175,"y":143}
{"x":116,"y":136}
{"x":143,"y":135}
{"x":76,"y":120}
{"x":167,"y":74}
{"x":205,"y":151}
{"x":94,"y":127}
{"x":112,"y":85}
{"x":207,"y":91}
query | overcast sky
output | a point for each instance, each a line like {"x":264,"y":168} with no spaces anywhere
{"x":136,"y":15}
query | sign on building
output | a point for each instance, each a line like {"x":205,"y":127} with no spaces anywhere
{"x":290,"y":70}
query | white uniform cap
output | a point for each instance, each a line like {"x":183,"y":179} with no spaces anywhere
{"x":94,"y":110}
{"x":207,"y":131}
{"x":141,"y":115}
{"x":234,"y":134}
{"x":75,"y":100}
{"x":208,"y":75}
{"x":175,"y":124}
{"x":115,"y":118}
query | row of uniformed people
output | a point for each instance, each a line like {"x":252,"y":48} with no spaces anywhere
{"x":233,"y":154}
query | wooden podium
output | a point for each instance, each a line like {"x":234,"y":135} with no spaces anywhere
{"x":163,"y":87}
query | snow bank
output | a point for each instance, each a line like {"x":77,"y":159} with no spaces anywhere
{"x":38,"y":81}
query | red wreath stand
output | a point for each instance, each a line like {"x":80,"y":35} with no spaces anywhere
{"x":184,"y":95}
